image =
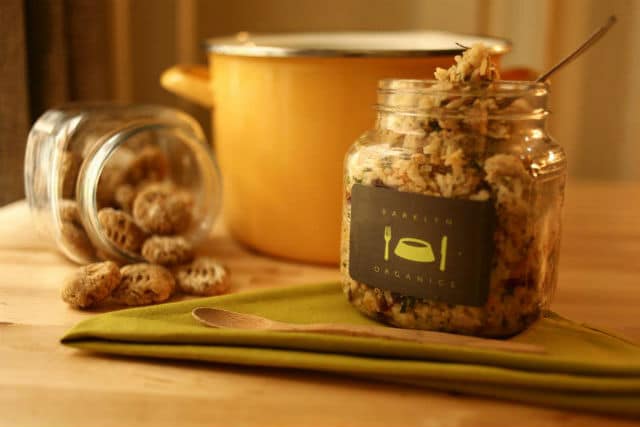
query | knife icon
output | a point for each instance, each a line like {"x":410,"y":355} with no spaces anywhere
{"x":387,"y":239}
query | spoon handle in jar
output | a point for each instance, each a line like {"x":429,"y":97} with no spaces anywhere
{"x":412,"y":335}
{"x":597,"y":35}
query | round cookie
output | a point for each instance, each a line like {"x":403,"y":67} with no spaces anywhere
{"x":91,"y":284}
{"x":112,"y":176}
{"x":121,"y":229}
{"x":203,"y":276}
{"x":143,"y":284}
{"x":73,"y":232}
{"x":160,"y":209}
{"x":124,"y":196}
{"x":167,"y":250}
{"x":149,"y":165}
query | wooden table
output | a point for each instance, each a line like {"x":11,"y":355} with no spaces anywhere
{"x":44,"y":383}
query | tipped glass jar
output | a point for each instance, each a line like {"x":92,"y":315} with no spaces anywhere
{"x":452,"y":206}
{"x":86,"y":164}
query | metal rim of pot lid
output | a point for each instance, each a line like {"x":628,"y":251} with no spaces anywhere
{"x":352,"y":44}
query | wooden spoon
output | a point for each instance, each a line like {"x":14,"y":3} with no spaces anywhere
{"x":224,"y":319}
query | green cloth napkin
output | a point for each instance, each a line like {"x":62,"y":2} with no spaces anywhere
{"x":584,"y":368}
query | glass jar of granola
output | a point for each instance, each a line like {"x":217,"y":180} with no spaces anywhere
{"x":100,"y":179}
{"x":452,"y":205}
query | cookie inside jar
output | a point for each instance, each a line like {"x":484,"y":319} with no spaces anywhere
{"x":128,"y":176}
{"x":451,"y":217}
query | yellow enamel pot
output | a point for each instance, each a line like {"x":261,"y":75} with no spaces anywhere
{"x":286,"y":108}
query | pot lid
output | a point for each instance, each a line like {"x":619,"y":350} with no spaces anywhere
{"x":351,"y":44}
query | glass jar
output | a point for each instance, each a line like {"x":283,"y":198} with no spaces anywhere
{"x":452,"y":205}
{"x":84,"y":158}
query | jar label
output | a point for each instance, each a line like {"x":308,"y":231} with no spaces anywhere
{"x":422,"y":246}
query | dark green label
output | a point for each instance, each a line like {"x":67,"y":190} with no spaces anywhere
{"x":422,"y":246}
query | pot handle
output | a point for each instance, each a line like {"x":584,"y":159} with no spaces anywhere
{"x":191,"y":82}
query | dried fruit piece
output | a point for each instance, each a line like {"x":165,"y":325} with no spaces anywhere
{"x":149,"y":165}
{"x":124,"y":196}
{"x":161,"y":210}
{"x":72,"y":230}
{"x":204,"y":276}
{"x":69,"y":172}
{"x":91,"y":284}
{"x":121,"y":229}
{"x":143,"y":284}
{"x":167,"y":250}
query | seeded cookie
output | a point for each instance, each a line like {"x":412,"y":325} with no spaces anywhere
{"x":160,"y":209}
{"x":149,"y":165}
{"x":72,"y":230}
{"x":167,"y":250}
{"x":143,"y":284}
{"x":112,"y":176}
{"x":91,"y":284}
{"x":203,"y":276}
{"x":110,"y":179}
{"x":121,"y":229}
{"x":124,"y":197}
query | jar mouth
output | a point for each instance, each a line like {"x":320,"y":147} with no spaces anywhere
{"x":515,"y":88}
{"x":441,"y":99}
{"x":205,"y":182}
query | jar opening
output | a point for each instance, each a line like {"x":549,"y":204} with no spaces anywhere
{"x":87,"y":164}
{"x":504,"y":100}
{"x":430,"y":86}
{"x":160,"y":153}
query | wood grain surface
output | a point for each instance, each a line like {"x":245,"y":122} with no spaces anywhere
{"x":44,"y":383}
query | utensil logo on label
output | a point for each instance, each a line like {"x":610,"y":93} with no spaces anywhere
{"x":421,"y":246}
{"x":416,"y":250}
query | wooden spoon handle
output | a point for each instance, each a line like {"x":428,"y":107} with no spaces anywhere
{"x":413,"y":335}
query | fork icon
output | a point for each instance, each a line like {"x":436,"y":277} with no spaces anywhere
{"x":387,"y":239}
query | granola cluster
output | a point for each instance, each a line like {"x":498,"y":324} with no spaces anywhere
{"x":461,"y":137}
{"x":142,"y":213}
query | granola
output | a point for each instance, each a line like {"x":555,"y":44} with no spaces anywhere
{"x":460,"y":137}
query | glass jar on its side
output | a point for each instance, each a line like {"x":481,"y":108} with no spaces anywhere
{"x":452,"y":207}
{"x":83,"y":158}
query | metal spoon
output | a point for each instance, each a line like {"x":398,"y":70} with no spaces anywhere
{"x":593,"y":38}
{"x":224,"y":319}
